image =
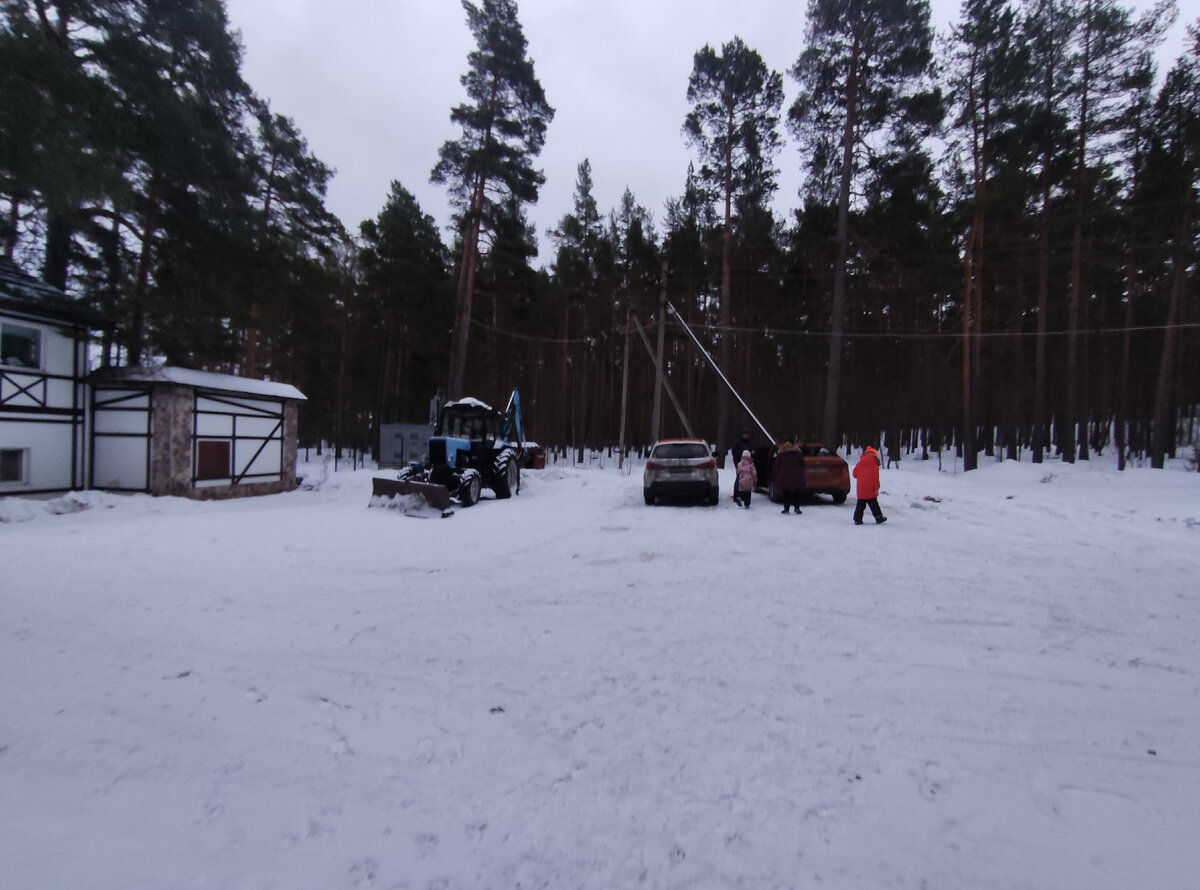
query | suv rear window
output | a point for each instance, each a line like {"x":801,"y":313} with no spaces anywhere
{"x":677,"y":450}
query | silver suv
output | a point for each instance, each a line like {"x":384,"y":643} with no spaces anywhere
{"x":682,"y":468}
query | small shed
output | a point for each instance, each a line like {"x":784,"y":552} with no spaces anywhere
{"x":401,"y":444}
{"x":196,"y":434}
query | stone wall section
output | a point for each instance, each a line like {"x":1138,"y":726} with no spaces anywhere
{"x":291,"y":444}
{"x":171,"y":422}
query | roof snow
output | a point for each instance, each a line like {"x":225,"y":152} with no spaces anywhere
{"x":206,"y":380}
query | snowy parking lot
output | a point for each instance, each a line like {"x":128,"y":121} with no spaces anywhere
{"x":999,"y":688}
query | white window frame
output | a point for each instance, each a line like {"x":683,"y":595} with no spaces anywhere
{"x":39,"y":344}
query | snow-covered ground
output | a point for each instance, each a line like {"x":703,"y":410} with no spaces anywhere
{"x":999,"y":688}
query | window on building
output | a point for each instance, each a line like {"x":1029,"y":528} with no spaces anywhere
{"x":212,"y":459}
{"x":20,"y":346}
{"x":14,"y":465}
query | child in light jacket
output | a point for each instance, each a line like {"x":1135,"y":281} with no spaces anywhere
{"x":747,"y":478}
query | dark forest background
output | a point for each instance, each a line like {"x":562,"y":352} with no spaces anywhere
{"x":995,"y":247}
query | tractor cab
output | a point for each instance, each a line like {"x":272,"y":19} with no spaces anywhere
{"x":465,"y":430}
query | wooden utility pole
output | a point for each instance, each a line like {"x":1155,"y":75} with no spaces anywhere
{"x":656,"y":410}
{"x":666,"y":383}
{"x":624,"y":394}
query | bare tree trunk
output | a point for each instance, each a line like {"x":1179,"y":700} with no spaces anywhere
{"x":462,"y":313}
{"x":970,"y":458}
{"x":624,"y":394}
{"x":1126,"y":344}
{"x":656,"y":409}
{"x":14,"y":219}
{"x":1166,"y":367}
{"x":56,"y":265}
{"x":1040,"y":418}
{"x":833,"y":382}
{"x":1072,"y":418}
{"x":724,"y":429}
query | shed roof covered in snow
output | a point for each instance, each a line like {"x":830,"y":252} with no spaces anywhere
{"x":206,"y":380}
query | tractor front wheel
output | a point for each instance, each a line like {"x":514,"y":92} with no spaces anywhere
{"x":469,"y":488}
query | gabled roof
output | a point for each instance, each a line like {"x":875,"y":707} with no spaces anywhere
{"x":208,"y":380}
{"x":28,"y":296}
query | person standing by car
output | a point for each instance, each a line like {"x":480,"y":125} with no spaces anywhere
{"x":787,"y":475}
{"x":740,"y":446}
{"x":866,"y":471}
{"x":747,"y":478}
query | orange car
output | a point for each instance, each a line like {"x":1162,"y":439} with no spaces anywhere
{"x":824,"y":471}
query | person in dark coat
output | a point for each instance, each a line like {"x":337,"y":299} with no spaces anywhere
{"x":742,"y":444}
{"x":787,"y":475}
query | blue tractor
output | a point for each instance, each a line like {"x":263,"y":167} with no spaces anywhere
{"x":474,"y":446}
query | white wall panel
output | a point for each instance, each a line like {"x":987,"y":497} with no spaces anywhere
{"x":238,"y":405}
{"x":121,"y":421}
{"x":214,"y":426}
{"x":49,"y":447}
{"x":120,"y":463}
{"x":260,"y":426}
{"x":269,"y":461}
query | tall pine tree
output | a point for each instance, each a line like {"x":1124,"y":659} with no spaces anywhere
{"x":503,"y":125}
{"x":865,"y":69}
{"x":734,"y":125}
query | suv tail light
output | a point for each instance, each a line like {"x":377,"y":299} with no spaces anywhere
{"x":711,"y":464}
{"x":654,"y":465}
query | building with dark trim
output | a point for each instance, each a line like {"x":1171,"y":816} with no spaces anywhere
{"x":192,"y":433}
{"x":43,"y":398}
{"x":165,"y":431}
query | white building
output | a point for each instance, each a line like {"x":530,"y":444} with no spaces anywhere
{"x":166,"y":431}
{"x":43,"y":399}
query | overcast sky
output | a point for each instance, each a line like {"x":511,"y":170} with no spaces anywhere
{"x":371,"y":86}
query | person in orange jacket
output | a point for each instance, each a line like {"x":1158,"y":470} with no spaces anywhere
{"x":866,"y":471}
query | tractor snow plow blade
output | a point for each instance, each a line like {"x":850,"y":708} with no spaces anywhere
{"x":385,"y":490}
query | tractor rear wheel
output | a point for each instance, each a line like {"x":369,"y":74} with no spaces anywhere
{"x":507,"y":474}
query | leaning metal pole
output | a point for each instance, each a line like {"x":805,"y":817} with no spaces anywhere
{"x":671,"y":311}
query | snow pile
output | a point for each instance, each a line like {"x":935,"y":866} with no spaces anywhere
{"x":24,"y":509}
{"x":996,"y":689}
{"x":411,"y":505}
